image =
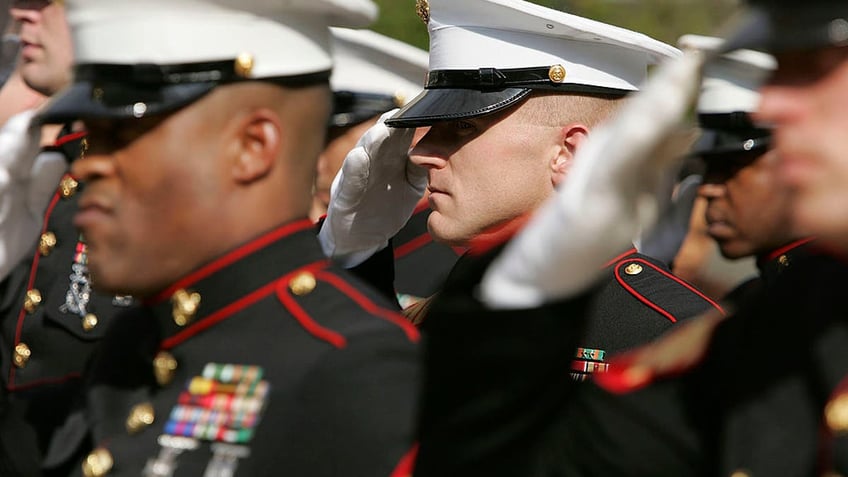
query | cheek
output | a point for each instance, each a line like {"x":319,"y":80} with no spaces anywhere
{"x":167,"y":196}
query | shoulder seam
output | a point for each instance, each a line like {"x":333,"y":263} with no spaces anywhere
{"x":368,"y":305}
{"x":641,"y":297}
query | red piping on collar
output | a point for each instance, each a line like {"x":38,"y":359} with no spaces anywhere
{"x":231,"y":257}
{"x":413,"y":245}
{"x":421,"y":206}
{"x":238,"y":305}
{"x":219,"y":315}
{"x":407,"y":463}
{"x":497,"y":235}
{"x":69,"y":138}
{"x":773,"y":255}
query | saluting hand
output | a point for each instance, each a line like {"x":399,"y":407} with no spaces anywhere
{"x":373,"y":195}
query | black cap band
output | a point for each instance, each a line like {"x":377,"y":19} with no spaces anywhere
{"x":729,"y":134}
{"x":351,"y":108}
{"x":492,"y":79}
{"x":136,"y":90}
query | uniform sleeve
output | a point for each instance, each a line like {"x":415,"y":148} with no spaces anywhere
{"x":495,"y":382}
{"x":18,"y":226}
{"x":379,"y":272}
{"x":356,"y":412}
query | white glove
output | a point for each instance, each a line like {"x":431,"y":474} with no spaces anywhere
{"x":26,"y":182}
{"x":609,"y":195}
{"x":372,"y":196}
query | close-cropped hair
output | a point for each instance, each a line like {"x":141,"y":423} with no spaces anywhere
{"x":558,"y":109}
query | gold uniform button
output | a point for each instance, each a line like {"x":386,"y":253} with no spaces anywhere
{"x":46,"y":243}
{"x":22,"y":355}
{"x":68,"y":186}
{"x":836,"y":413}
{"x":98,"y":463}
{"x":164,"y":367}
{"x":244,"y":64}
{"x":302,"y":284}
{"x":783,"y":260}
{"x":141,"y":416}
{"x":633,"y":269}
{"x":32,"y":300}
{"x":89,"y":322}
{"x":184,"y":306}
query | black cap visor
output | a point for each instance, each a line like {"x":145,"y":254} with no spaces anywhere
{"x":788,"y":26}
{"x":114,"y":91}
{"x":351,"y":108}
{"x":723,"y":145}
{"x":435,"y":105}
{"x":463,"y":94}
{"x":86,"y":100}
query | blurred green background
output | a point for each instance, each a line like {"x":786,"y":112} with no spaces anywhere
{"x":664,"y":20}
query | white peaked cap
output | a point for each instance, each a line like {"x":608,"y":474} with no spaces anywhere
{"x":729,"y":92}
{"x":514,"y":45}
{"x":285,"y":37}
{"x":732,"y":81}
{"x":470,"y":34}
{"x":179,"y":45}
{"x":368,"y":62}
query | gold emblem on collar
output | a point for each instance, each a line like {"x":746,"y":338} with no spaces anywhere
{"x":422,"y":8}
{"x":184,"y":306}
{"x":68,"y":186}
{"x":556,"y":73}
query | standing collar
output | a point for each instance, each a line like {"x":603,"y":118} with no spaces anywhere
{"x":234,"y":280}
{"x":773,"y":263}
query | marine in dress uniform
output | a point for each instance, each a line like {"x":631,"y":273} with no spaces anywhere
{"x":52,"y":319}
{"x":261,"y":359}
{"x":374,"y":74}
{"x":485,"y":57}
{"x":758,"y":393}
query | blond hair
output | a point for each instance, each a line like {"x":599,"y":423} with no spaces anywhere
{"x":558,"y":109}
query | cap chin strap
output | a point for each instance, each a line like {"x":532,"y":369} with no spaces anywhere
{"x":490,"y":79}
{"x":148,"y":74}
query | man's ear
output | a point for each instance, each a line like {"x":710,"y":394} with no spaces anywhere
{"x":258,"y":142}
{"x":571,"y":137}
